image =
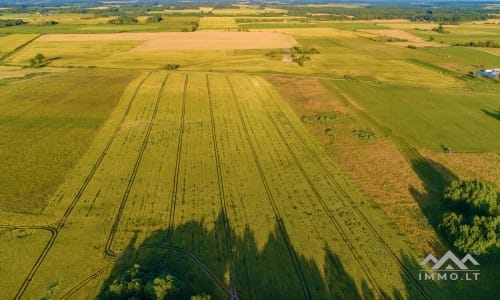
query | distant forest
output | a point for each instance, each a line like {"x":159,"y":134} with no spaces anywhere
{"x":447,"y":12}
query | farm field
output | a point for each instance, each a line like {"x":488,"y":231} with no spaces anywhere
{"x":285,"y":151}
{"x":9,"y":43}
{"x":218,"y":23}
{"x":190,"y":132}
{"x":441,"y":118}
{"x":46,"y":124}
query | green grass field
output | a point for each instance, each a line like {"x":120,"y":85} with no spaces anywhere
{"x":430,"y":117}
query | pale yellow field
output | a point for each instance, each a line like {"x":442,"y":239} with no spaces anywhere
{"x":206,"y":40}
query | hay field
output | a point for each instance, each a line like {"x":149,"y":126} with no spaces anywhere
{"x":10,"y":42}
{"x":186,"y":40}
{"x":218,"y":23}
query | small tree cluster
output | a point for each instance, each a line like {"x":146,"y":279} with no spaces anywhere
{"x":474,"y":222}
{"x":138,"y":283}
{"x":156,"y":18}
{"x":300,"y":59}
{"x":38,"y":61}
{"x":171,"y":67}
{"x":303,"y":50}
{"x":487,"y":44}
{"x":440,"y":29}
{"x":124,"y":19}
{"x":11,"y":22}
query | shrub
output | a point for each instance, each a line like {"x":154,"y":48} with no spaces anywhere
{"x":171,"y":67}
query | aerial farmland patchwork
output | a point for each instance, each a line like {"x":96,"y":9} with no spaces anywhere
{"x":248,"y":151}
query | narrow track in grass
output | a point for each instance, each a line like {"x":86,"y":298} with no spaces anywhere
{"x":227,"y":230}
{"x":344,"y":195}
{"x":340,"y":230}
{"x":177,"y":250}
{"x":173,"y":200}
{"x":109,"y":242}
{"x":302,"y":279}
{"x":77,"y":197}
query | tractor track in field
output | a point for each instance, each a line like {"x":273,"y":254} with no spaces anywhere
{"x":51,"y":229}
{"x":109,"y":242}
{"x":302,"y":279}
{"x":345,"y":195}
{"x":173,"y":201}
{"x":77,"y":197}
{"x":176,"y":250}
{"x":313,"y":188}
{"x":228,"y":241}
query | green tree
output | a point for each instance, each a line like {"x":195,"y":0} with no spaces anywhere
{"x":37,"y":61}
{"x":479,"y":234}
{"x":472,"y":197}
{"x":163,"y":288}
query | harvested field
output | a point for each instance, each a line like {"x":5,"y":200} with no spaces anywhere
{"x":186,"y":40}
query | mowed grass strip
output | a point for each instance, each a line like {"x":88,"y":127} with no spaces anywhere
{"x":46,"y":125}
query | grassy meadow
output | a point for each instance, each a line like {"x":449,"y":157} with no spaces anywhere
{"x":245,"y":175}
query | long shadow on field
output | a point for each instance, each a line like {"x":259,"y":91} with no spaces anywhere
{"x":261,"y":271}
{"x":494,"y":114}
{"x":435,"y":182}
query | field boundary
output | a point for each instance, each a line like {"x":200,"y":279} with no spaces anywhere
{"x":20,"y":47}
